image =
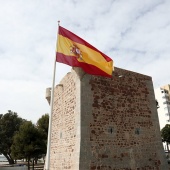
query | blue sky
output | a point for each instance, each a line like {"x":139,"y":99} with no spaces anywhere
{"x":135,"y":34}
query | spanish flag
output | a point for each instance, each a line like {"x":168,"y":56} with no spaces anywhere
{"x":76,"y":52}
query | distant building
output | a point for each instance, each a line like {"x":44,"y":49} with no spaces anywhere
{"x":162,"y":95}
{"x":105,"y":123}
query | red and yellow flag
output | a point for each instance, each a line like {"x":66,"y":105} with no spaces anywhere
{"x":74,"y":51}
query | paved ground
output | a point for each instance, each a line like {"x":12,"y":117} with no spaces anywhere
{"x":39,"y":166}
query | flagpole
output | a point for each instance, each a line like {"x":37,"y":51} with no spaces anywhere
{"x":47,"y":163}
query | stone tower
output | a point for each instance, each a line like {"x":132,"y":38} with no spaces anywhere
{"x":103,"y":123}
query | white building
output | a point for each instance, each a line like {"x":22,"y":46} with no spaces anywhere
{"x":162,"y":95}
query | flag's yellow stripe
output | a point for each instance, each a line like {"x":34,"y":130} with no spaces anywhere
{"x":89,"y":55}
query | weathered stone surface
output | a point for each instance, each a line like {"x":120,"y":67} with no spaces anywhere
{"x":106,"y":123}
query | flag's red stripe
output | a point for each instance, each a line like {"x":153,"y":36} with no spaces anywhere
{"x":72,"y":61}
{"x":66,"y":33}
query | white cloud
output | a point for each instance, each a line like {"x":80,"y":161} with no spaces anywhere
{"x":134,"y":33}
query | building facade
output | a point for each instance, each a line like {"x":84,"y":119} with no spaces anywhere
{"x":162,"y":96}
{"x":103,"y":123}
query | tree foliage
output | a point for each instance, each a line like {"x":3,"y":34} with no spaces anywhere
{"x":165,"y":133}
{"x":22,"y":139}
{"x":42,"y":125}
{"x":28,"y":142}
{"x":9,"y":125}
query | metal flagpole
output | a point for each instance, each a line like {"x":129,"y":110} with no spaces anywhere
{"x":47,"y":162}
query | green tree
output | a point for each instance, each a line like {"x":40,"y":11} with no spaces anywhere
{"x":42,"y":125}
{"x":165,"y":133}
{"x":27,"y":143}
{"x":9,"y":125}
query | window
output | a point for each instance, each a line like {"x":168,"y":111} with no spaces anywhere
{"x":137,"y":131}
{"x":166,"y":114}
{"x":61,"y":135}
{"x":166,"y":102}
{"x":166,"y":97}
{"x":166,"y":108}
{"x":110,"y":130}
{"x":164,"y":91}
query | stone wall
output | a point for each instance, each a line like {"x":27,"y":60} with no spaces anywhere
{"x":106,"y":123}
{"x":65,"y":139}
{"x":120,"y":129}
